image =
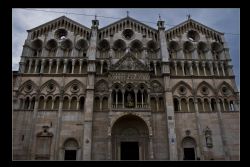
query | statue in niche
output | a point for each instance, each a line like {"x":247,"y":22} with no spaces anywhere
{"x":208,"y":137}
{"x":130,"y":102}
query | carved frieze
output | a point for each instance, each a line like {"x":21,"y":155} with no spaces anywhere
{"x":124,"y":77}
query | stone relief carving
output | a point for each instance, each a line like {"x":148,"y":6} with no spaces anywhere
{"x":102,"y":87}
{"x":208,"y":137}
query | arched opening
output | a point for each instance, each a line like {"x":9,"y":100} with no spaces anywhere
{"x":184,"y":105}
{"x":70,"y":149}
{"x":161,"y":104}
{"x":73,"y":103}
{"x":81,"y":105}
{"x":41,"y":103}
{"x":66,"y":103}
{"x":189,"y":148}
{"x":56,"y":103}
{"x":97,"y":104}
{"x":49,"y":103}
{"x":176,"y":105}
{"x":153,"y":104}
{"x":213,"y":105}
{"x":130,"y":139}
{"x":191,"y":105}
{"x":200,"y":107}
{"x":27,"y":103}
{"x":206,"y":105}
{"x":105,"y":103}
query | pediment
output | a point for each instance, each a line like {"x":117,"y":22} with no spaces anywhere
{"x":129,"y":63}
{"x":126,"y":23}
{"x":191,"y":24}
{"x":61,"y":22}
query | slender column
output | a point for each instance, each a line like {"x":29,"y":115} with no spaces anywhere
{"x":50,"y":64}
{"x":136,"y":91}
{"x":77,"y":104}
{"x":42,"y":65}
{"x":123,"y":93}
{"x":175,"y":67}
{"x":142,"y":99}
{"x":65,"y":66}
{"x":223,"y":105}
{"x":210,"y":106}
{"x":57,"y":65}
{"x":203,"y":107}
{"x":52,"y":106}
{"x":80,"y":70}
{"x":236,"y":107}
{"x":182,"y":67}
{"x":100,"y":109}
{"x":116,"y":99}
{"x":197,"y":67}
{"x":188,"y":106}
{"x":157,"y":104}
{"x":211,"y":68}
{"x":45,"y":104}
{"x":222,"y":67}
{"x":190,"y":67}
{"x":36,"y":64}
{"x":73,"y":66}
{"x":179,"y":101}
{"x":101,"y":66}
{"x":217,"y":68}
{"x":30,"y":63}
{"x":204,"y":68}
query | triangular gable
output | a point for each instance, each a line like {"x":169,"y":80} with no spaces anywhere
{"x":62,"y":21}
{"x":192,"y":24}
{"x":130,"y":20}
{"x":129,"y":62}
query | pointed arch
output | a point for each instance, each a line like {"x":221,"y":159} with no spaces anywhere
{"x":75,"y":81}
{"x":26,"y":83}
{"x":51,"y":81}
{"x":224,"y":83}
{"x":204,"y":83}
{"x":182,"y":83}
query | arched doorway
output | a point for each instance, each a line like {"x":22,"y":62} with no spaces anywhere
{"x":189,"y":148}
{"x":130,"y":139}
{"x":71,"y":149}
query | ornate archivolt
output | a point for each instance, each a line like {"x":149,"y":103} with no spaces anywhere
{"x":114,"y":118}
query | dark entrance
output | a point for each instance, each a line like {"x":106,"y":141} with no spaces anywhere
{"x":70,"y":155}
{"x":129,"y":151}
{"x":189,"y":154}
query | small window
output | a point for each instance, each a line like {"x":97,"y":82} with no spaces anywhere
{"x":70,"y":155}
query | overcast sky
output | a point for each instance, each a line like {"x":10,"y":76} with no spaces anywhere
{"x":223,"y":20}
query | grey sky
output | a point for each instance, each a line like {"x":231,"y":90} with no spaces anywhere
{"x":223,"y":20}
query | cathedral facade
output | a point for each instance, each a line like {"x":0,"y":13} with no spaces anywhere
{"x":126,"y":91}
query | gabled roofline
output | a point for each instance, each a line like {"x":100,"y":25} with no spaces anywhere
{"x":191,"y":20}
{"x":128,"y":17}
{"x":59,"y":18}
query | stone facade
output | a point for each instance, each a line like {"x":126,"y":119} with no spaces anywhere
{"x":89,"y":94}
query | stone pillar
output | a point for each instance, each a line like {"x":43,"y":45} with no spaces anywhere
{"x":170,"y":119}
{"x":123,"y":93}
{"x":151,"y":152}
{"x":57,"y":65}
{"x":136,"y":91}
{"x":58,"y":128}
{"x":223,"y":137}
{"x":157,"y":104}
{"x":210,"y":106}
{"x":30,"y":63}
{"x":217,"y":69}
{"x":31,"y":145}
{"x":236,"y":107}
{"x":190,"y":67}
{"x":80,"y":69}
{"x":175,"y":67}
{"x":200,"y":152}
{"x":182,"y":67}
{"x":195,"y":54}
{"x":142,"y":100}
{"x":89,"y":104}
{"x":50,"y":64}
{"x":211,"y":68}
{"x":101,"y":67}
{"x":222,"y":67}
{"x":42,"y":65}
{"x":163,"y":41}
{"x":197,"y":67}
{"x":65,"y":66}
{"x":36,"y":64}
{"x":204,"y":68}
{"x":73,"y":66}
